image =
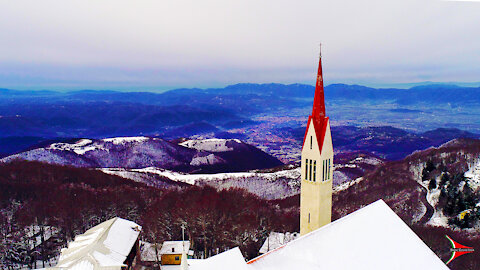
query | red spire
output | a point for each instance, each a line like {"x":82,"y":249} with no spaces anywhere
{"x":318,"y":118}
{"x":319,"y":99}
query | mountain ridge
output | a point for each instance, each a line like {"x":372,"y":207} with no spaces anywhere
{"x":227,"y":155}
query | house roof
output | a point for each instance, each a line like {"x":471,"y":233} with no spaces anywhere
{"x":106,"y":245}
{"x":231,"y":259}
{"x":373,"y":237}
{"x":174,"y":247}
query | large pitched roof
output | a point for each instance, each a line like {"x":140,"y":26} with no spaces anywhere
{"x":373,"y":237}
{"x":105,"y":246}
{"x":231,"y":259}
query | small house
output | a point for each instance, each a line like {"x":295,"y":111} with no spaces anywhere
{"x":171,"y":252}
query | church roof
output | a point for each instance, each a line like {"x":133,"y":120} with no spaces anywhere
{"x":320,"y":121}
{"x":373,"y":237}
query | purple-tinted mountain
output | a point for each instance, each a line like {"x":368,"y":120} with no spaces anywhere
{"x":140,"y":152}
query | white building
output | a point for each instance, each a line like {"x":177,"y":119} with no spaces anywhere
{"x":110,"y":245}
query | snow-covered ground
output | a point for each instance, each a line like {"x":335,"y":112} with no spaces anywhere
{"x":346,"y":185}
{"x":432,"y":197}
{"x":473,"y":176}
{"x":122,"y":140}
{"x":276,"y":240}
{"x":269,"y":185}
{"x":80,"y":147}
{"x":210,"y":159}
{"x":193,"y":178}
{"x":210,"y":145}
{"x":84,"y":145}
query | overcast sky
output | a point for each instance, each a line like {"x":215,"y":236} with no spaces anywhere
{"x":160,"y":44}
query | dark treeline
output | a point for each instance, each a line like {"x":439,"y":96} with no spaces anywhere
{"x":43,"y":207}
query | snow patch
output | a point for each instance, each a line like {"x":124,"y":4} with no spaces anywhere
{"x":276,"y":240}
{"x":122,"y":140}
{"x":210,"y":145}
{"x":347,"y":184}
{"x":206,"y":160}
{"x":80,"y":147}
{"x":192,"y":179}
{"x":473,"y":176}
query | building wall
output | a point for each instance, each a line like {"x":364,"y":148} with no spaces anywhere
{"x":316,"y":195}
{"x":169,"y":259}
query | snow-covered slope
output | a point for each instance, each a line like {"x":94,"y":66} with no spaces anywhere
{"x":133,"y":152}
{"x":273,"y":185}
{"x":212,"y":145}
{"x":197,"y":156}
{"x":473,"y":175}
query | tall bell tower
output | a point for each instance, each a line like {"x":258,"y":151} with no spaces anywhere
{"x":317,"y":165}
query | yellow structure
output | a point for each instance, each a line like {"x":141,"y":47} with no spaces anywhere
{"x":317,"y":165}
{"x":172,"y":251}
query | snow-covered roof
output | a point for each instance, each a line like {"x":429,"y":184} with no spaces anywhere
{"x":373,"y":237}
{"x":106,"y":245}
{"x":276,"y":239}
{"x":174,"y":247}
{"x":231,"y":259}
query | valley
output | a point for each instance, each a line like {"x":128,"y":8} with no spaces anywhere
{"x":92,"y":155}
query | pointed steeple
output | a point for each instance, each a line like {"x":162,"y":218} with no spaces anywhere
{"x":319,"y":99}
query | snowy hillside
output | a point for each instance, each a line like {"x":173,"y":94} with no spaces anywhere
{"x":212,"y":145}
{"x":273,"y":185}
{"x":473,"y":175}
{"x":193,"y":156}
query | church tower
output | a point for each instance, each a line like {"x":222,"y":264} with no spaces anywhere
{"x":317,"y":165}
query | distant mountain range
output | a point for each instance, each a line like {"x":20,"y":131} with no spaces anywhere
{"x":184,"y":112}
{"x":430,"y":93}
{"x":427,"y":93}
{"x":193,"y":156}
{"x":386,"y":141}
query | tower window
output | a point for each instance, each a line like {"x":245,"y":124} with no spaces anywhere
{"x":306,"y":169}
{"x":311,"y":142}
{"x":310,"y":171}
{"x":314,"y":171}
{"x":308,"y":217}
{"x":323,"y":171}
{"x":326,"y":170}
{"x":329,"y":168}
